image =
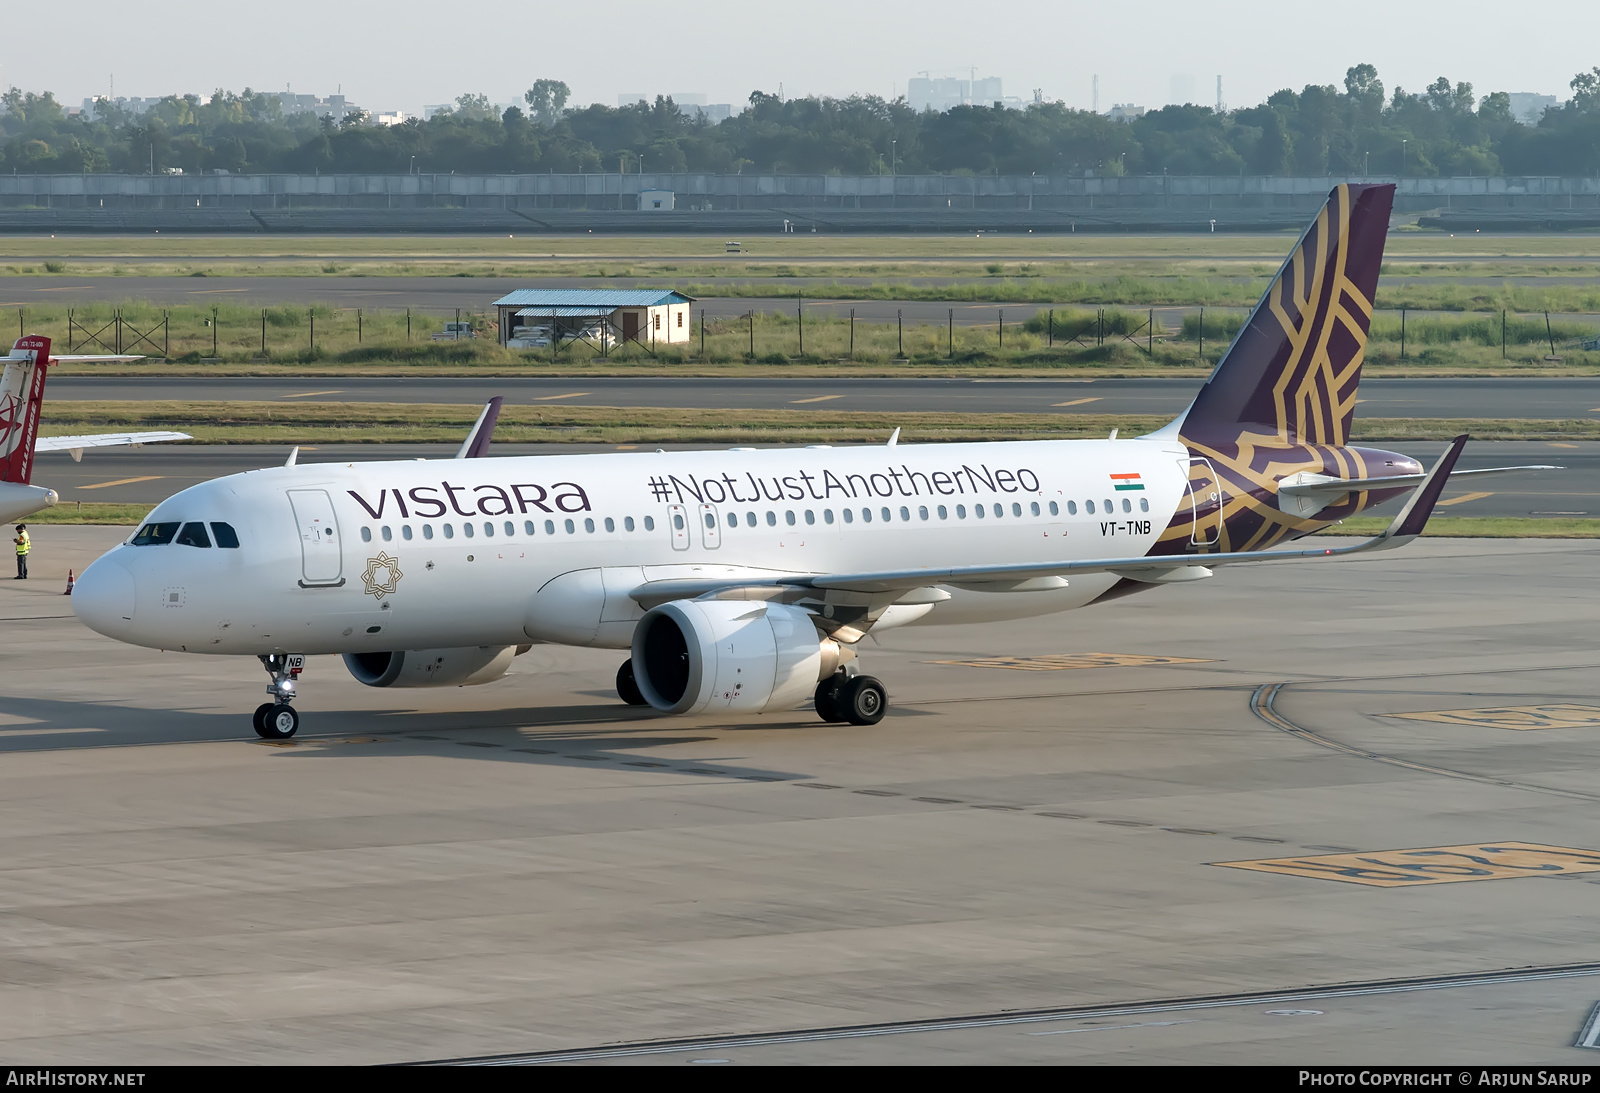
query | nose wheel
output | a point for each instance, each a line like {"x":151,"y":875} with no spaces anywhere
{"x":277,"y":720}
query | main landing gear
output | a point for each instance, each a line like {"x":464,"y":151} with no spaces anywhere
{"x":627,"y":686}
{"x":858,"y":699}
{"x":277,"y":720}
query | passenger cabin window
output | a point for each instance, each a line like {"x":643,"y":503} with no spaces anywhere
{"x":588,"y":524}
{"x":1127,"y":505}
{"x":466,"y":529}
{"x":427,"y":531}
{"x":627,"y":524}
{"x":1088,"y":506}
{"x":194,"y":535}
{"x":789,"y":516}
{"x":1055,"y":510}
{"x":449,"y":531}
{"x":1144,"y":504}
{"x":611,"y":525}
{"x":549,"y":527}
{"x":961,"y":512}
{"x":388,"y":536}
{"x":849,"y":516}
{"x":225,"y":536}
{"x":1072,"y":508}
{"x":366,"y":535}
{"x":944,"y":513}
{"x":649,"y":523}
{"x":1034,"y":508}
{"x":572,"y":529}
{"x":749,"y":519}
{"x":405,"y":532}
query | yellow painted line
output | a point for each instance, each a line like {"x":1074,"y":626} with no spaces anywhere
{"x":309,"y":394}
{"x":1060,"y":661}
{"x":819,"y":398}
{"x":1560,"y":715}
{"x":1433,"y":864}
{"x":1561,"y":444}
{"x":1076,"y":402}
{"x":1464,"y":498}
{"x":626,"y":447}
{"x":1595,"y":410}
{"x":123,"y":482}
{"x":548,"y":398}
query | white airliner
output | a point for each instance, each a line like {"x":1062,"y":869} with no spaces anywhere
{"x":21,"y":399}
{"x":743,"y":580}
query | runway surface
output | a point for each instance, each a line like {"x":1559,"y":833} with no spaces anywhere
{"x":1489,"y":397}
{"x":155,"y":472}
{"x":530,"y":867}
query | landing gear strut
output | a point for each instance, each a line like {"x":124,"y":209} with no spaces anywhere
{"x":846,"y":696}
{"x":277,"y":720}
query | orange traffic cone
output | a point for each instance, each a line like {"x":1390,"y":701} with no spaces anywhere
{"x":68,"y":592}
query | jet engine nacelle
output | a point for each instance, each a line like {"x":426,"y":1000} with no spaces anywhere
{"x":695,"y":655}
{"x":433,"y":667}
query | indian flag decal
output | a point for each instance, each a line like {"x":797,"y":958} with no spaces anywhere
{"x":1127,"y":482}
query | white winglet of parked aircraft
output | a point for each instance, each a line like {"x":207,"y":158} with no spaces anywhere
{"x":21,"y":399}
{"x":743,"y":581}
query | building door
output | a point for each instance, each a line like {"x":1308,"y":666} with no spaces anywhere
{"x":630,"y":326}
{"x":1205,"y":502}
{"x":321,"y":560}
{"x":710,"y":530}
{"x":678,"y":516}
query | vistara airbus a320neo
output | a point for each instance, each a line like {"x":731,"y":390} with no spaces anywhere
{"x":743,"y":581}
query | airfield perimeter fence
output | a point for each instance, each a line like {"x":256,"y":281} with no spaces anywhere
{"x":811,"y":333}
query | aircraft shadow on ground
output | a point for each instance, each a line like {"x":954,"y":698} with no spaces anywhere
{"x":572,"y":736}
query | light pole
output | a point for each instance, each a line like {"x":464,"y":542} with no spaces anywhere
{"x":1366,"y":161}
{"x":894,"y":157}
{"x":1403,"y":157}
{"x":412,"y":169}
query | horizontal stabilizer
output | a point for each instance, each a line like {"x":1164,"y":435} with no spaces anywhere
{"x":103,"y":440}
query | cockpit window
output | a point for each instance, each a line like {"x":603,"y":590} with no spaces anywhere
{"x":194,"y":535}
{"x":225,"y":536}
{"x":156,"y":534}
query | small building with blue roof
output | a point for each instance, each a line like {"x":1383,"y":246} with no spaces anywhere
{"x":541,"y":317}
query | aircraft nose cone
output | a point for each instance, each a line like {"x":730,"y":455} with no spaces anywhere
{"x":104,"y":598}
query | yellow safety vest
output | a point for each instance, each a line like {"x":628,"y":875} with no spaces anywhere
{"x":24,"y":544}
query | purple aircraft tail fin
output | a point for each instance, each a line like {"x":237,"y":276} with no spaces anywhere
{"x":1293,"y":369}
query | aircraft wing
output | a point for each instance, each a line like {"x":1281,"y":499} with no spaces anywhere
{"x":76,"y":444}
{"x":1150,"y":568}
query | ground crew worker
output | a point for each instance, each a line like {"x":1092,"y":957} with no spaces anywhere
{"x":24,"y":544}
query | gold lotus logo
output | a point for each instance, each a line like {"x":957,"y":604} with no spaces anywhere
{"x":382,"y":575}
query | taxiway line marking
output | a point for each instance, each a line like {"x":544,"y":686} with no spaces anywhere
{"x":551,"y":398}
{"x":1065,"y":1013}
{"x":309,"y":394}
{"x":1464,"y":498}
{"x":1076,"y":402}
{"x":123,"y":482}
{"x":819,"y":398}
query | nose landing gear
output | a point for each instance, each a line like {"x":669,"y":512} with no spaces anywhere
{"x":277,"y":720}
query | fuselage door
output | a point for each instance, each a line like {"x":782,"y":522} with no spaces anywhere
{"x":710,"y":530}
{"x":321,"y":559}
{"x":1205,"y":502}
{"x":678,"y":518}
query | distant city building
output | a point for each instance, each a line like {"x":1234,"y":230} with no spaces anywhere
{"x":335,"y":106}
{"x":1528,"y":107}
{"x":941,"y":93}
{"x":691,"y":103}
{"x":389,"y":117}
{"x":1125,"y":112}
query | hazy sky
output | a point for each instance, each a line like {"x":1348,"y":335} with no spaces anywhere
{"x":407,"y":53}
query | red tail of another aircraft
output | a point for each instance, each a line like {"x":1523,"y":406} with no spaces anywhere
{"x":21,"y":397}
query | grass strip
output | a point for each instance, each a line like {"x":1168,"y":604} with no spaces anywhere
{"x":90,"y":512}
{"x":381,"y":423}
